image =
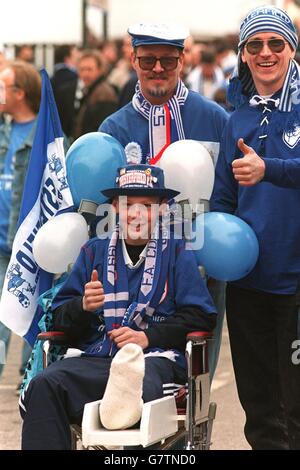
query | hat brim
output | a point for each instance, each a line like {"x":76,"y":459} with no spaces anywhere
{"x":157,"y":42}
{"x":163,"y":193}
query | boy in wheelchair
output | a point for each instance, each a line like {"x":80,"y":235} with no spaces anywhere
{"x":139,"y":286}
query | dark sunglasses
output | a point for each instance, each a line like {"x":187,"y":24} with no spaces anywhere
{"x":255,"y":46}
{"x":149,"y":62}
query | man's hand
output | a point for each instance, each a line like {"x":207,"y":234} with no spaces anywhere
{"x":93,"y":294}
{"x":125,"y":335}
{"x":250,"y":169}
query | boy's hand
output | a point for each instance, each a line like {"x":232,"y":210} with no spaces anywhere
{"x":125,"y":335}
{"x":93,"y":297}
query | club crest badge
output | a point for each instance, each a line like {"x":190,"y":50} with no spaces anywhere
{"x":291,"y":138}
{"x":133,"y":152}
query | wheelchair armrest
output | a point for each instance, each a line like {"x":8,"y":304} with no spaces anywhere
{"x":196,"y":352}
{"x":54,"y":337}
{"x":198,"y":335}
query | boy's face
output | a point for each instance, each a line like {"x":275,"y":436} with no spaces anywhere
{"x":137,"y":215}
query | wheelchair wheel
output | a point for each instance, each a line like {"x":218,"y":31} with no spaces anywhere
{"x":176,"y":442}
{"x":180,"y":440}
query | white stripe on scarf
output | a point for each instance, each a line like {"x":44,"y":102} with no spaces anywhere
{"x":115,"y":297}
{"x":156,"y":115}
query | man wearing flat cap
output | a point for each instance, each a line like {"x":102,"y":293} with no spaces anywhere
{"x":164,"y":111}
{"x":258,"y":179}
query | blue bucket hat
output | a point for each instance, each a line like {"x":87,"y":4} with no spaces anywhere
{"x":144,"y":34}
{"x":140,"y":180}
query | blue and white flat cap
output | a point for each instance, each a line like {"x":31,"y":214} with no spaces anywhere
{"x":144,"y":34}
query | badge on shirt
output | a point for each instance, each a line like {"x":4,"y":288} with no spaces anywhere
{"x":133,"y":152}
{"x":292,"y":137}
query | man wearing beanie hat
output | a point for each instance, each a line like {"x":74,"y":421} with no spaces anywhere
{"x":119,"y":301}
{"x":164,"y":111}
{"x":258,"y":179}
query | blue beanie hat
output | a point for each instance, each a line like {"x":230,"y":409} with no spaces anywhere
{"x":260,"y":20}
{"x":268,"y":19}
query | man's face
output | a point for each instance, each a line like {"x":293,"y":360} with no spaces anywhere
{"x":26,"y":54}
{"x":208,"y":71}
{"x":10,"y":93}
{"x":138,"y":216}
{"x":88,"y":70}
{"x":3,"y":61}
{"x":74,"y":57}
{"x":268,"y":68}
{"x":158,"y":84}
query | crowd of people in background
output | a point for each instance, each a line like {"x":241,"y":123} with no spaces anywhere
{"x":90,"y":84}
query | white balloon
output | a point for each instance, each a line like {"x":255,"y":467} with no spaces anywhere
{"x":188,"y":168}
{"x":57,"y":244}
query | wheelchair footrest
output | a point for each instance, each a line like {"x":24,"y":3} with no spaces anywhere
{"x":151,"y":430}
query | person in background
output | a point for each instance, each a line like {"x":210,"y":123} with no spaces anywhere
{"x":20,"y":86}
{"x":207,"y":77}
{"x":3,"y":59}
{"x":65,"y":68}
{"x":109,"y":52}
{"x":25,"y":53}
{"x":83,"y":112}
{"x":121,"y":72}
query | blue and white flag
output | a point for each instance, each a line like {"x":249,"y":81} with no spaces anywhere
{"x":46,"y":193}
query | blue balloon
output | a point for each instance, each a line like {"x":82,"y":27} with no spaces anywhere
{"x":226,"y":245}
{"x":92,"y":162}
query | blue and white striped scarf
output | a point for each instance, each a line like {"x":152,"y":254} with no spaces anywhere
{"x":165,"y":123}
{"x":117,"y":310}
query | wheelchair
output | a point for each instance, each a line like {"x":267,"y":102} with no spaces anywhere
{"x":178,"y":422}
{"x":184,"y":421}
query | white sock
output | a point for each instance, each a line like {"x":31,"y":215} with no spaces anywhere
{"x":121,"y":405}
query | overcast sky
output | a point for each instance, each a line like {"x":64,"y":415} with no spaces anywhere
{"x":59,"y":21}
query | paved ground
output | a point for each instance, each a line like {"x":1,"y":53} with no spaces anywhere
{"x":228,"y":427}
{"x":229,"y":423}
{"x":10,"y":421}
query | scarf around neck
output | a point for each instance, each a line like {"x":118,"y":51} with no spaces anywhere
{"x":242,"y":88}
{"x":165,"y":122}
{"x":118,"y":312}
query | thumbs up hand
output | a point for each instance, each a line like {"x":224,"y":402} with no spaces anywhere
{"x":250,"y":169}
{"x":93,"y":297}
